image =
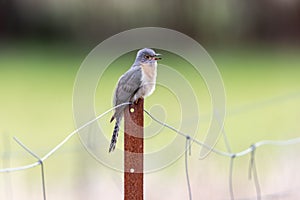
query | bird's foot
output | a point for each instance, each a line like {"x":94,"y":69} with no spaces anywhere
{"x":137,"y":101}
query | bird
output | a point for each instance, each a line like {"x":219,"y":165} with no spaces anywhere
{"x":138,"y":82}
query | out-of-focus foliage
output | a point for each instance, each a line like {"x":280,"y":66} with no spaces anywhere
{"x":236,"y":21}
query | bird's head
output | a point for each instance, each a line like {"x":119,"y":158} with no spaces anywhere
{"x":147,"y":56}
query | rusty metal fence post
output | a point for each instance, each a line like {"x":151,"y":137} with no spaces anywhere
{"x":134,"y":151}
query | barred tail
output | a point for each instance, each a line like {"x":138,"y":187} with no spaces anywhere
{"x":114,"y":136}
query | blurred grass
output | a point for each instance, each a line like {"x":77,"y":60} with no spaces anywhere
{"x":262,"y":88}
{"x":36,"y":87}
{"x":36,"y":83}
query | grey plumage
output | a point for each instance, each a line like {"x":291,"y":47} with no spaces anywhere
{"x":127,"y":86}
{"x":137,"y":82}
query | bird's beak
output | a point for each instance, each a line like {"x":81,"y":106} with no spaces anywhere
{"x":156,"y":57}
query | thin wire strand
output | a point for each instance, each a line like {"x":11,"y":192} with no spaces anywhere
{"x":186,"y":135}
{"x":188,"y":138}
{"x":221,"y":153}
{"x":251,"y":162}
{"x":80,"y":128}
{"x":187,"y":151}
{"x":231,"y":178}
{"x":27,"y":149}
{"x":269,"y":142}
{"x":61,"y":143}
{"x":41,"y":163}
{"x":43,"y":180}
{"x":233,"y":155}
{"x":252,"y":168}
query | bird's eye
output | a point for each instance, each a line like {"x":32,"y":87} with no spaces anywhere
{"x":147,"y":57}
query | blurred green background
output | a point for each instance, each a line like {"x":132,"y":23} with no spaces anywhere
{"x":255,"y":45}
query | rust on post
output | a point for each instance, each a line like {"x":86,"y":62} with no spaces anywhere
{"x":134,"y":151}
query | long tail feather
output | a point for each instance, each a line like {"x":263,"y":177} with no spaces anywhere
{"x":112,"y":119}
{"x":114,"y":136}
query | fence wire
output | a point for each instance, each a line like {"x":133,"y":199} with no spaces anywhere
{"x":249,"y":151}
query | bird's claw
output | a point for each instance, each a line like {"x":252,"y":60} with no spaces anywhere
{"x":136,"y":101}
